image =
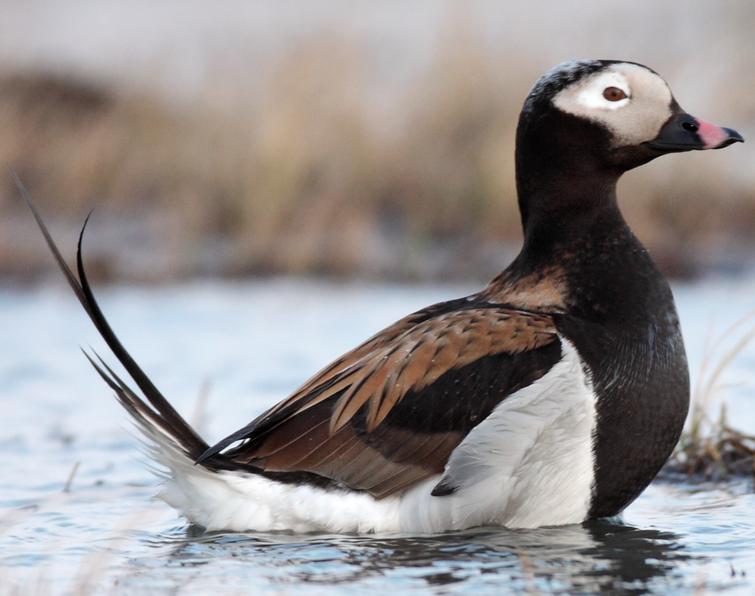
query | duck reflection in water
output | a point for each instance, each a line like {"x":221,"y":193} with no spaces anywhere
{"x":597,"y":555}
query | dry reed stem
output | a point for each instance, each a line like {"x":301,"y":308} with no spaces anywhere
{"x":71,"y":476}
{"x":710,"y":448}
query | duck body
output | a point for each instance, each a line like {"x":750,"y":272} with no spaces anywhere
{"x":582,"y":441}
{"x":552,"y":396}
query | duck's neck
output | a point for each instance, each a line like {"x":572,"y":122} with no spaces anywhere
{"x":565,"y":182}
{"x":565,"y":202}
{"x":575,"y":234}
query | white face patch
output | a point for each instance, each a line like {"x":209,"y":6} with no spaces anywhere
{"x":632,"y":120}
{"x":591,"y":94}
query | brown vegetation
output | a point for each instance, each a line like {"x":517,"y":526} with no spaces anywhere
{"x":711,"y":448}
{"x":311,"y":172}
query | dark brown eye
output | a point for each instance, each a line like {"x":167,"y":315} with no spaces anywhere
{"x":614,"y":94}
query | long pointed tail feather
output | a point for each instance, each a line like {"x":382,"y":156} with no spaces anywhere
{"x":161,"y":416}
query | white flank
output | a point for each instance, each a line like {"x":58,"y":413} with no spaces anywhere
{"x":529,"y":464}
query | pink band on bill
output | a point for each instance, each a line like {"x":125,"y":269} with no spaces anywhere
{"x":710,"y":134}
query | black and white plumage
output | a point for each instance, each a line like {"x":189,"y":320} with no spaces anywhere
{"x":550,"y":397}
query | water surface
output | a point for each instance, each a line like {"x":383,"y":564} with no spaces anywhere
{"x":251,"y":344}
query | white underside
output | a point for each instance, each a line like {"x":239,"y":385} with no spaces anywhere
{"x":529,"y":464}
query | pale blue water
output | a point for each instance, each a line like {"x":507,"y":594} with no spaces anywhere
{"x":253,"y":343}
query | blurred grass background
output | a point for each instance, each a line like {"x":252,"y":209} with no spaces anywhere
{"x":373,"y":140}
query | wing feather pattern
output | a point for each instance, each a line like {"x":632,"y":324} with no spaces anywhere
{"x":381,"y":418}
{"x":391,"y":412}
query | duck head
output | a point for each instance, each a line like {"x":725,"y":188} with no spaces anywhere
{"x":586,"y":122}
{"x":622,"y":114}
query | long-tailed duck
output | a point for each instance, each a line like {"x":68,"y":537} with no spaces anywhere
{"x":552,"y":396}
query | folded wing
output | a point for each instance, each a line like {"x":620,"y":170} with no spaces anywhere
{"x":381,"y":418}
{"x":391,"y":412}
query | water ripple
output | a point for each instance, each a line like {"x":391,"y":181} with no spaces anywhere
{"x":109,"y":534}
